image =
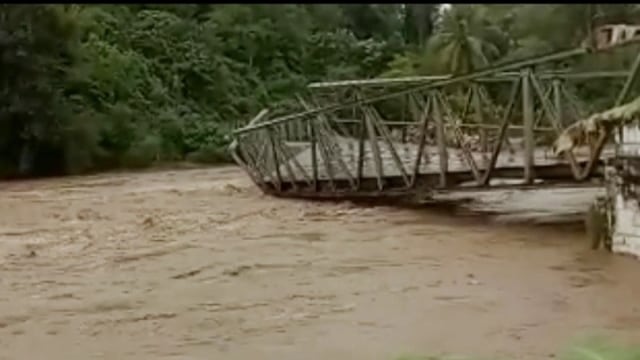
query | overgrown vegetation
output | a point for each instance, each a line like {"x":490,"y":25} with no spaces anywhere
{"x":590,"y":349}
{"x":92,"y":87}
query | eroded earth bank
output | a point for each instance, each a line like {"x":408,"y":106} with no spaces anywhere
{"x":198,"y":264}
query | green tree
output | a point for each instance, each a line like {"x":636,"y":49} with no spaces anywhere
{"x":38,"y":47}
{"x":462,"y":42}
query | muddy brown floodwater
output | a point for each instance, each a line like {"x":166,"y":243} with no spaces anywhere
{"x":198,"y":264}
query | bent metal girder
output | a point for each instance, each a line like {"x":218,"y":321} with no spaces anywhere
{"x":444,"y":133}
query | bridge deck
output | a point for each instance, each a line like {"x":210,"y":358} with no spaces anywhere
{"x":343,"y":161}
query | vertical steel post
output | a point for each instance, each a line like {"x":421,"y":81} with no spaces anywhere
{"x":528,"y":120}
{"x":441,"y":139}
{"x":557,"y":99}
{"x":314,"y":153}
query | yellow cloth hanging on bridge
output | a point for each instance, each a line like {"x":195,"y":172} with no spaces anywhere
{"x":579,"y":131}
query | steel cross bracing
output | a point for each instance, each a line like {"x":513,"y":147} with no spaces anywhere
{"x":443,"y":134}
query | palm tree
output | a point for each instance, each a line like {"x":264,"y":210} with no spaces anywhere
{"x":418,"y":22}
{"x":465,"y":41}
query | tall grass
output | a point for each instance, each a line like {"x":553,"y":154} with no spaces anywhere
{"x":600,"y":349}
{"x":591,"y":349}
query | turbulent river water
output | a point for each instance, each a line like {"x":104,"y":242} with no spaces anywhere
{"x":198,"y":264}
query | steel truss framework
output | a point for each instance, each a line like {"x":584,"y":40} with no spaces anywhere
{"x":434,"y":134}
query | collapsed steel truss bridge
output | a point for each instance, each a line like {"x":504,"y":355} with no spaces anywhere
{"x":412,"y":137}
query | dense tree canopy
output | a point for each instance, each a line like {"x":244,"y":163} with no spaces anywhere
{"x":89,"y":87}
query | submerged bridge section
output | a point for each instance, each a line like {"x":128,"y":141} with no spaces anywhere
{"x":412,"y":137}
